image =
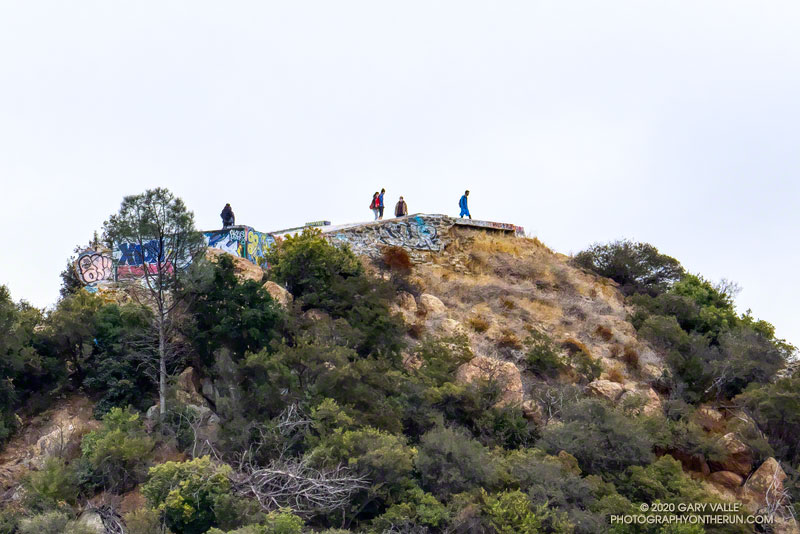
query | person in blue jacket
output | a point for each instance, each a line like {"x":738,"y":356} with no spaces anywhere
{"x":463,"y":205}
{"x":380,"y":204}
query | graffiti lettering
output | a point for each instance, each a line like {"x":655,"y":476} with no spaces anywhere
{"x":244,"y":242}
{"x":411,"y":233}
{"x":92,"y":266}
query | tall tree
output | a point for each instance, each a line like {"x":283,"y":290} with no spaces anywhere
{"x":155,"y":240}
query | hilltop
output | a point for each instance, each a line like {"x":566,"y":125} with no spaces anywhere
{"x":417,"y":375}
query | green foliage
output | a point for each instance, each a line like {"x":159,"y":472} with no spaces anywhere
{"x":53,"y":523}
{"x":119,"y":451}
{"x":603,"y":440}
{"x":417,"y":507}
{"x":330,"y":278}
{"x":144,"y":521}
{"x":385,"y":459}
{"x":113,"y":375}
{"x":449,"y":461}
{"x":542,"y":356}
{"x":776,"y":409}
{"x":52,"y":487}
{"x":637,"y":267}
{"x":510,"y":512}
{"x":277,"y":522}
{"x":238,"y":315}
{"x":187,"y":493}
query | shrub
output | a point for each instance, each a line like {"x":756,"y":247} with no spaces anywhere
{"x":510,"y":512}
{"x":449,"y":462}
{"x":416,"y":508}
{"x":119,"y":451}
{"x":637,"y":267}
{"x":543,"y":357}
{"x":396,"y":259}
{"x":604,"y":333}
{"x":631,"y":357}
{"x":53,"y":486}
{"x":226,"y":312}
{"x":144,"y":521}
{"x":508,"y":339}
{"x":53,"y":523}
{"x":776,"y":409}
{"x":478,"y":323}
{"x":615,"y":374}
{"x":603,"y":440}
{"x":187,"y":493}
{"x":277,"y":522}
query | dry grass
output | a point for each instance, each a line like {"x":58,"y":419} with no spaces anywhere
{"x":615,"y":374}
{"x":508,"y":304}
{"x":631,"y":357}
{"x":479,"y":324}
{"x":486,"y":242}
{"x":603,"y":332}
{"x":616,"y":350}
{"x":508,"y":339}
{"x":573,"y":346}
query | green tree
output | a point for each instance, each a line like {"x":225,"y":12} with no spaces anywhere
{"x":161,"y":231}
{"x":637,"y":267}
{"x":188,"y":493}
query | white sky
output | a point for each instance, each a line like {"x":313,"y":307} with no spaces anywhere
{"x":671,"y":122}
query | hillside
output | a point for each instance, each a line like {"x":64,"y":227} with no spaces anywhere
{"x":447,"y":378}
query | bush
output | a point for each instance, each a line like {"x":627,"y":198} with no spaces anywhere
{"x":119,"y":451}
{"x":144,"y":521}
{"x":277,"y":522}
{"x":603,"y":440}
{"x":53,"y":523}
{"x":449,"y":462}
{"x":636,"y":267}
{"x":416,"y":508}
{"x":187,"y":493}
{"x":510,"y":513}
{"x":226,"y":312}
{"x":543,"y":357}
{"x":52,"y":487}
{"x":776,"y":409}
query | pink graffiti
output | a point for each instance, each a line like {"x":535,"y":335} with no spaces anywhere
{"x":93,"y":267}
{"x":137,"y":271}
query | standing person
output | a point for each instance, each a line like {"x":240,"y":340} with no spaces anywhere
{"x":375,"y":205}
{"x":401,"y":209}
{"x":228,"y":218}
{"x":380,"y":205}
{"x":463,"y":205}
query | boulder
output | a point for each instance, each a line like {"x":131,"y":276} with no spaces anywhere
{"x":450,"y":327}
{"x":411,"y":362}
{"x":767,"y":481}
{"x":505,"y":374}
{"x":532,"y":412}
{"x":726,"y":479}
{"x":315,"y":315}
{"x":709,"y":418}
{"x":606,"y":389}
{"x":242,"y":268}
{"x":279,"y":294}
{"x":188,"y":386}
{"x":406,"y":302}
{"x":652,"y":402}
{"x":738,"y":456}
{"x":431,"y":305}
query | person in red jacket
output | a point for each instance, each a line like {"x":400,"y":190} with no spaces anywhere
{"x":375,"y":205}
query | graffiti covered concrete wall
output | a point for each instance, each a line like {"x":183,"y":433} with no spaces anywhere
{"x":241,"y":241}
{"x":93,"y":266}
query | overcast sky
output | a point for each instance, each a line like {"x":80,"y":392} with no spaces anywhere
{"x":671,"y":122}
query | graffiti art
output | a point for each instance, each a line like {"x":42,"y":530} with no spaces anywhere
{"x":93,"y":266}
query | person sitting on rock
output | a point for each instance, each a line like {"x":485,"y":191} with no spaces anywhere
{"x":228,"y":218}
{"x":401,"y":209}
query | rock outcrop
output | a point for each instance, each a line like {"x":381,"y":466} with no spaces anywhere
{"x":504,"y":374}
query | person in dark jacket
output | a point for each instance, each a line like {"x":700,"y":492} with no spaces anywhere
{"x":463,"y":205}
{"x":228,"y":218}
{"x":401,"y":209}
{"x":380,"y":205}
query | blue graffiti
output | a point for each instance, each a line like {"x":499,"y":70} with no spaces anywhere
{"x":135,"y":254}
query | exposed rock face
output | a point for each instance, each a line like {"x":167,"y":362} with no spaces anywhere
{"x":244,"y":269}
{"x":432,"y":305}
{"x":406,"y":302}
{"x":709,"y":418}
{"x":505,"y":374}
{"x":188,"y":385}
{"x":652,"y":402}
{"x":606,"y":389}
{"x":727,"y":479}
{"x":767,"y":481}
{"x":738,"y":458}
{"x":532,"y":412}
{"x":279,"y":294}
{"x":92,"y":521}
{"x":315,"y":315}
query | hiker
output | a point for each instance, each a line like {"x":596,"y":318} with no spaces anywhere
{"x":375,"y":205}
{"x":228,"y":218}
{"x":463,"y":205}
{"x":380,"y":204}
{"x":401,"y":209}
